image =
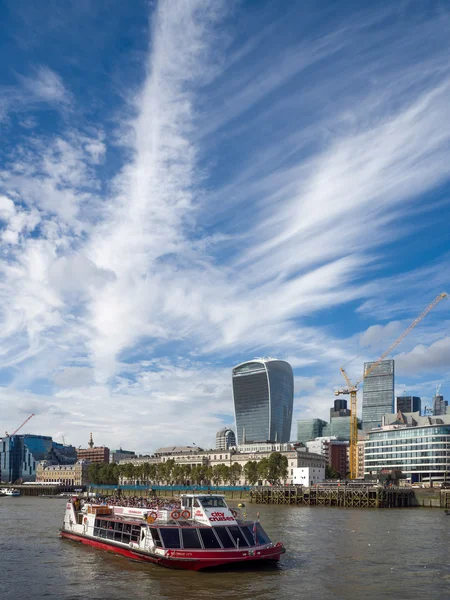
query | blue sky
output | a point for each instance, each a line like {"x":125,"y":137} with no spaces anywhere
{"x":186,"y":185}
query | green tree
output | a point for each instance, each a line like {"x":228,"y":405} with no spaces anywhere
{"x":277,"y":468}
{"x":216,"y":476}
{"x":263,"y":469}
{"x":251,"y":472}
{"x":330,"y":473}
{"x":235,"y":473}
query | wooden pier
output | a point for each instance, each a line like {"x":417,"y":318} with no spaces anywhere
{"x":341,"y":496}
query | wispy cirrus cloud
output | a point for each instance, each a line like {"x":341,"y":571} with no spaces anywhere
{"x":251,"y":208}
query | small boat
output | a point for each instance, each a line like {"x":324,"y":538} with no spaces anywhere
{"x":204,"y":532}
{"x":10,"y":492}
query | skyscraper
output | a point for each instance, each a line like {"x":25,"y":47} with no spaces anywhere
{"x":440,"y":406}
{"x":378,"y":394}
{"x":225,"y":439}
{"x":408,"y":404}
{"x":263,"y":394}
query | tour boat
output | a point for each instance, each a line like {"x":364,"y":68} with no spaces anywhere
{"x":203,"y":532}
{"x":10,"y":492}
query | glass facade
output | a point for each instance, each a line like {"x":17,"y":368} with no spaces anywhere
{"x":263,"y":394}
{"x":378,"y":394}
{"x":19,"y":455}
{"x":421,"y":453}
{"x":310,"y":429}
{"x":407,"y":404}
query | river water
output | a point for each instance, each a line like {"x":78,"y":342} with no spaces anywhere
{"x":332,"y":554}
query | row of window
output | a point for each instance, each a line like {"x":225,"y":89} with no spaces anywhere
{"x":233,"y":536}
{"x":443,"y":439}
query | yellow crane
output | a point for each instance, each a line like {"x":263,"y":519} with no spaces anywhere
{"x":352,"y":389}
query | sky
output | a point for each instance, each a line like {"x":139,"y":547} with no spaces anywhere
{"x":188,"y":185}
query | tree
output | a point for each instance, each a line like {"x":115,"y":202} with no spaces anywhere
{"x":263,"y":469}
{"x":251,"y":472}
{"x":216,"y":475}
{"x":330,"y":473}
{"x":235,"y":472}
{"x":277,"y":468}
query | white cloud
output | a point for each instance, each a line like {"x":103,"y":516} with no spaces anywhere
{"x":425,"y":359}
{"x":178,"y":258}
{"x":45,"y":85}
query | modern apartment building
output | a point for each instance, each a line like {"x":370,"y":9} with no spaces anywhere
{"x":263,"y":395}
{"x":378,"y":394}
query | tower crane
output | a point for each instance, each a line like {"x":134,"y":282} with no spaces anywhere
{"x":20,"y":426}
{"x":352,"y":389}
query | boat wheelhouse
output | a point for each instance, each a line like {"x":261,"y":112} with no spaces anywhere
{"x":203,"y":532}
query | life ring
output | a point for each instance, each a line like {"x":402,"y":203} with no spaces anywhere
{"x":152,"y":516}
{"x":175,"y":514}
{"x":85,"y":520}
{"x":234,"y":512}
{"x":186,"y":514}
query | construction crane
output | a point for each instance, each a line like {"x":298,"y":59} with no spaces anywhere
{"x":20,"y":426}
{"x":352,"y":389}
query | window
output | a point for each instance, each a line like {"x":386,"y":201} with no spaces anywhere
{"x":190,"y":538}
{"x":170,"y":537}
{"x":237,"y":536}
{"x":213,"y":502}
{"x":209,"y":538}
{"x":224,"y":537}
{"x":156,"y":538}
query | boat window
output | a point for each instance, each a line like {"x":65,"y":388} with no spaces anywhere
{"x":196,"y":503}
{"x":156,"y":538}
{"x":261,"y":535}
{"x":190,"y":538}
{"x":170,"y":537}
{"x":224,"y":537}
{"x":248,"y":534}
{"x":209,"y":538}
{"x":213,"y":502}
{"x":237,"y":536}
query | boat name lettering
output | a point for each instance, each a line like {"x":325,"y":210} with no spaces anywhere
{"x":198,"y":513}
{"x":220,"y":516}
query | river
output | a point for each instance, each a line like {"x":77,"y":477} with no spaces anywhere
{"x":332,"y":554}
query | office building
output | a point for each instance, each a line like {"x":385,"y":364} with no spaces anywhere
{"x":66,"y":475}
{"x":360,"y":459}
{"x":263,"y":395}
{"x":20,"y":454}
{"x":417,"y":446}
{"x":408,"y":404}
{"x":333,"y":450}
{"x":339,"y":409}
{"x":440,"y":406}
{"x":116,"y":456}
{"x":378,"y":393}
{"x":310,"y":429}
{"x":98,"y":454}
{"x":225,"y":439}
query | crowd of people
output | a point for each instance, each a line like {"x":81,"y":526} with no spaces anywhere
{"x":152,"y":503}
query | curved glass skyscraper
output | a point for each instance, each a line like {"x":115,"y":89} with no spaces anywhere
{"x":263,"y":395}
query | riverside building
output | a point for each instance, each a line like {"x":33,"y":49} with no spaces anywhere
{"x":378,"y":393}
{"x":70,"y":475}
{"x":263,"y":396}
{"x":20,"y":455}
{"x":417,"y":446}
